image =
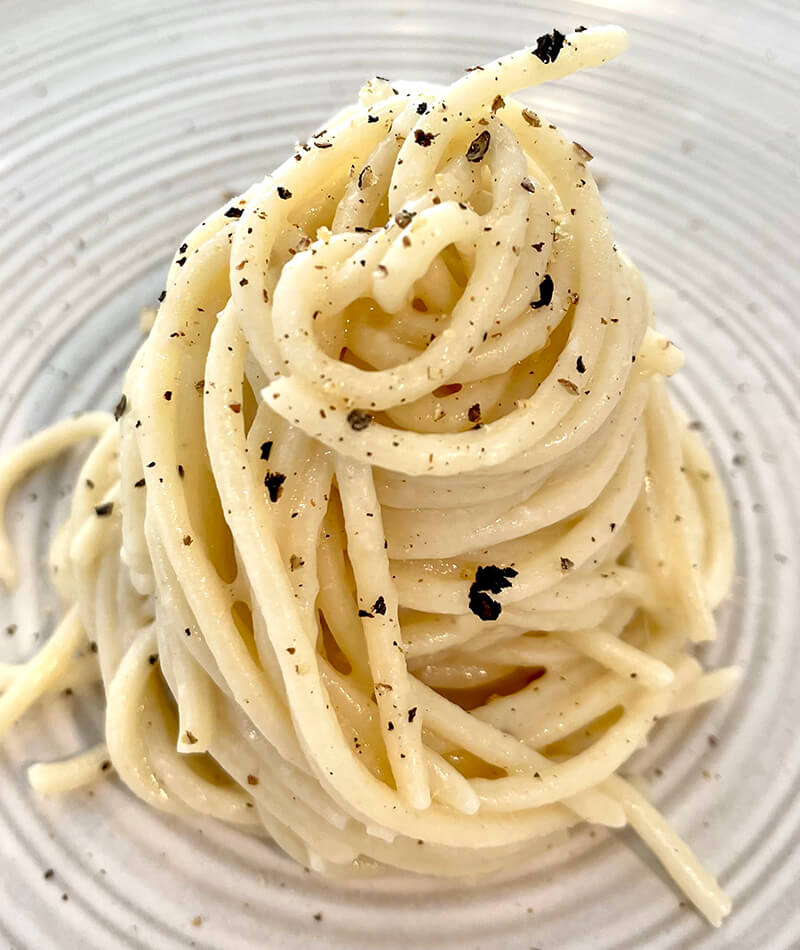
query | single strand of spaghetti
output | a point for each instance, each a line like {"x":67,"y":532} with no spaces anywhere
{"x":676,"y":857}
{"x":396,"y":490}
{"x":56,"y":778}
{"x":96,"y":477}
{"x":125,"y":696}
{"x":708,"y":687}
{"x":716,"y":521}
{"x":82,"y":672}
{"x":686,"y":577}
{"x":43,"y":670}
{"x":620,"y":657}
{"x":393,"y":688}
{"x":475,"y":91}
{"x":227,"y":803}
{"x":194,"y":693}
{"x":32,"y":453}
{"x":449,"y":786}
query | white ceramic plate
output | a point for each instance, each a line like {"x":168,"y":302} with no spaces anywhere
{"x":121,"y":124}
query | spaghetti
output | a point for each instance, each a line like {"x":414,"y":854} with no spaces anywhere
{"x":396,"y":549}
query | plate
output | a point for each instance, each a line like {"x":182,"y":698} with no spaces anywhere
{"x":122,"y":124}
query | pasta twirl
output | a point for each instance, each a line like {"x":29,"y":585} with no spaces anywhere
{"x":396,"y":541}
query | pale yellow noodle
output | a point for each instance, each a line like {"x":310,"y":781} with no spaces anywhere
{"x":399,"y":544}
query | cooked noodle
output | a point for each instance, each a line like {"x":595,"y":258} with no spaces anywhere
{"x":398,"y":549}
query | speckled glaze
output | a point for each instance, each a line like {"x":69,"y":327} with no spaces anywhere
{"x":121,"y":125}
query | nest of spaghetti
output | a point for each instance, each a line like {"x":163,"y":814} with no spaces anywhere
{"x":414,"y":545}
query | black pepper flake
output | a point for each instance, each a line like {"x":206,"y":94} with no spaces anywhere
{"x":180,"y":261}
{"x":404,"y":218}
{"x":11,"y":629}
{"x":181,"y":472}
{"x":365,"y":613}
{"x":580,"y":366}
{"x":234,"y":212}
{"x":482,"y":605}
{"x":412,"y":713}
{"x":190,"y":737}
{"x":358,"y":420}
{"x":318,"y":915}
{"x":120,"y":407}
{"x":538,"y":246}
{"x":479,"y":146}
{"x":379,"y":607}
{"x":274,"y":484}
{"x":474,"y":412}
{"x":569,"y":386}
{"x":613,"y":525}
{"x":168,"y":395}
{"x":545,"y":293}
{"x":152,"y":659}
{"x":548,"y":46}
{"x":372,"y":118}
{"x":139,"y":484}
{"x":284,"y":192}
{"x":390,"y":726}
{"x":93,"y":646}
{"x":161,"y":296}
{"x":102,"y":511}
{"x":566,"y":564}
{"x":579,"y":29}
{"x":48,"y":874}
{"x":266,"y":448}
{"x":324,"y":144}
{"x":493,"y":578}
{"x":422,"y":108}
{"x":252,"y":780}
{"x":365,"y":177}
{"x":183,"y":248}
{"x":423,"y":138}
{"x":89,"y":483}
{"x":244,"y":282}
{"x":105,"y":766}
{"x":528,"y":185}
{"x":585,"y":154}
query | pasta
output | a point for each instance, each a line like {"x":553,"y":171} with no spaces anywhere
{"x":396,"y":548}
